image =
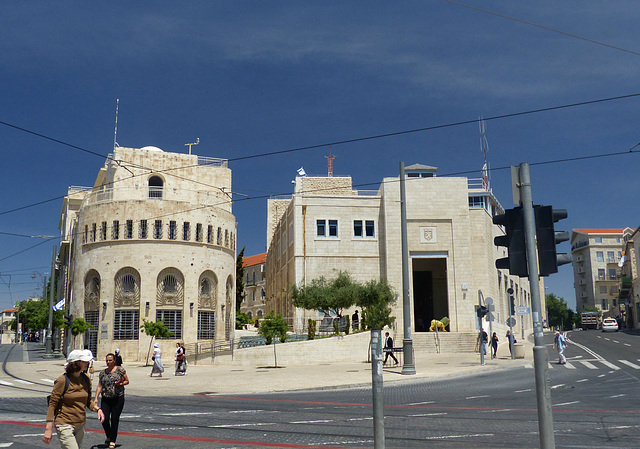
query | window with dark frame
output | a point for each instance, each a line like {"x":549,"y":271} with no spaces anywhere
{"x":186,"y":231}
{"x":357,"y":228}
{"x":125,"y":325}
{"x":199,"y":232}
{"x":369,"y":228}
{"x":206,"y":325}
{"x":172,"y":319}
{"x":128,"y":233}
{"x":115,"y":231}
{"x":157,"y":232}
{"x":321,"y":228}
{"x":103,"y":231}
{"x":143,"y":229}
{"x":333,"y":228}
{"x":209,"y":234}
{"x":172,"y":230}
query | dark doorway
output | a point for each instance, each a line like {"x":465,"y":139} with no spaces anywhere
{"x":430,"y":296}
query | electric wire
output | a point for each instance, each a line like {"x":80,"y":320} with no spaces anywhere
{"x":554,"y":30}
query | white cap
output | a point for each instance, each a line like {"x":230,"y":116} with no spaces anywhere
{"x":79,"y":355}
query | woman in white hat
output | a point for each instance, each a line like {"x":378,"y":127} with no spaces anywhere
{"x":70,"y":396}
{"x":158,"y":368}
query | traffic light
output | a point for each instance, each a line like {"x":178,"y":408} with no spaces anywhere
{"x":481,"y":311}
{"x":512,"y":302}
{"x":548,"y":238}
{"x":513,"y":240}
{"x":68,"y":320}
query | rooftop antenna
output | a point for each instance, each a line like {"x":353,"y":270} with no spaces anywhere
{"x":330,"y":159}
{"x":191,"y":144}
{"x":115,"y":132}
{"x":484,"y":146}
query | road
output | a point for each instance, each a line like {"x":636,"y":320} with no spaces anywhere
{"x":594,"y":406}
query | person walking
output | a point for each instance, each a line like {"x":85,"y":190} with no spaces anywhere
{"x":111,"y":387}
{"x":355,"y":321}
{"x":118,"y":357}
{"x":511,"y":340}
{"x":158,"y":368}
{"x":494,"y":345}
{"x":70,"y":396}
{"x":180,"y":359}
{"x":560,"y":343}
{"x":388,"y":348}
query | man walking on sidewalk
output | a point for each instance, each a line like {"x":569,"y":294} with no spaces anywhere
{"x":388,"y":348}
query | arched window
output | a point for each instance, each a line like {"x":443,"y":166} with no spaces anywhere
{"x":170,"y":288}
{"x":208,"y":291}
{"x":156,"y":185}
{"x":92,"y":291}
{"x":127,"y":288}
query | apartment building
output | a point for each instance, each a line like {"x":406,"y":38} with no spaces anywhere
{"x":629,"y":279}
{"x":596,"y":255}
{"x":153,"y":239}
{"x":254,"y":286}
{"x":326,"y":225}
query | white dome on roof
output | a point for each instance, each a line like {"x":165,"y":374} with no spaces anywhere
{"x":152,"y":148}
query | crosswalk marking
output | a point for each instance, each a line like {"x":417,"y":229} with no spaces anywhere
{"x":632,"y":365}
{"x":569,"y":365}
{"x":610,"y":365}
{"x":3,"y":382}
{"x":588,"y":364}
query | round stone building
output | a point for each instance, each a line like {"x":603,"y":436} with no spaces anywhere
{"x":154,"y":239}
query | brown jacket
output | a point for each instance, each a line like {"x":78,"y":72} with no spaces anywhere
{"x":71,"y":409}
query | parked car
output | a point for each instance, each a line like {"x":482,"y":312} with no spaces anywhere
{"x":609,"y":324}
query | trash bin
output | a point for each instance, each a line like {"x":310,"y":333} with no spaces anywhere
{"x":518,"y":350}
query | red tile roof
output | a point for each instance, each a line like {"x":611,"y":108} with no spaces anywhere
{"x":601,"y":231}
{"x":250,"y":261}
{"x":8,"y":310}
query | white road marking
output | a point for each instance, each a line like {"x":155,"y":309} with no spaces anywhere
{"x":246,"y":411}
{"x":313,"y":421}
{"x":524,"y":391}
{"x":444,"y":437}
{"x":566,"y":403}
{"x":627,"y":344}
{"x":557,"y":386}
{"x":588,"y":364}
{"x":602,"y":375}
{"x":244,"y":425}
{"x":610,"y":365}
{"x":618,"y":395}
{"x":9,"y":384}
{"x":421,"y":403}
{"x":426,"y":414}
{"x":569,"y":366}
{"x":477,"y":397}
{"x":26,"y":382}
{"x":6,"y":444}
{"x":360,"y":419}
{"x":582,"y":380}
{"x":608,"y":339}
{"x":616,"y":341}
{"x":186,"y":413}
{"x":632,"y":365}
{"x":51,"y":381}
{"x":500,"y":410}
{"x":28,"y":435}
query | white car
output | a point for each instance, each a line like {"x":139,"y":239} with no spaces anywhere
{"x":609,"y":324}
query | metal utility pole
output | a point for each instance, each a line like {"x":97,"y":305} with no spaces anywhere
{"x":540,"y":359}
{"x":376,"y":384}
{"x":481,"y":335}
{"x":408,"y":366}
{"x":47,"y":346}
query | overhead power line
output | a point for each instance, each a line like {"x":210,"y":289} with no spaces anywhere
{"x":554,"y":30}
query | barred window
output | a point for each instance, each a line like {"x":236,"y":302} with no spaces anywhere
{"x":186,"y":231}
{"x":143,"y":229}
{"x":128,"y":233}
{"x":157,"y":232}
{"x":86,"y":234}
{"x":125,"y":325}
{"x":206,"y":325}
{"x":219,"y":236}
{"x":199,"y":232}
{"x":93,"y":232}
{"x":103,"y":231}
{"x":173,"y":320}
{"x":128,"y":284}
{"x":172,"y":230}
{"x":226,"y":237}
{"x":115,"y":231}
{"x":170,"y":284}
{"x":156,"y":185}
{"x":209,"y":234}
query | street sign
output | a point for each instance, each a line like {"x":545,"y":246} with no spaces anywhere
{"x":511,"y":321}
{"x":522,"y":310}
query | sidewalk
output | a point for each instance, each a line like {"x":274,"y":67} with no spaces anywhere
{"x":226,"y":379}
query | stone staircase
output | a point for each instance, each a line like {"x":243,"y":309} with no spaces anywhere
{"x":449,"y":342}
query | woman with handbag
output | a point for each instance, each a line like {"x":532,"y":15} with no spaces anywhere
{"x":180,"y":359}
{"x":111,"y":385}
{"x":70,"y":397}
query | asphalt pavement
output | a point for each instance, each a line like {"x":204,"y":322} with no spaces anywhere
{"x":34,"y":366}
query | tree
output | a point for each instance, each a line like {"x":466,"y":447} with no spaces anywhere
{"x":240,"y":279}
{"x":376,"y":299}
{"x":241,"y":319}
{"x":327,"y":297}
{"x":273,"y":326}
{"x":557,"y":311}
{"x":79,"y":326}
{"x":154,"y":330}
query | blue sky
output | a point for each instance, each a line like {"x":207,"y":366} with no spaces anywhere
{"x":256,"y":77}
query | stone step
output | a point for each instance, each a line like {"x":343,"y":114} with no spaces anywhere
{"x":445,"y":342}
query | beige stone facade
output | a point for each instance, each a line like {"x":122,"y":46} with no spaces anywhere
{"x":596,"y":254}
{"x":327,"y":226}
{"x":254,"y":286}
{"x":155,"y":238}
{"x":630,"y":278}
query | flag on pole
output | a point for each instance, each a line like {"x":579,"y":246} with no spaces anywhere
{"x":301,"y":172}
{"x":59,"y":305}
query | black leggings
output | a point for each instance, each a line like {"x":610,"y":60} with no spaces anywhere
{"x":112,"y":408}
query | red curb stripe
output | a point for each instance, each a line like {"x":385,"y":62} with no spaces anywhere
{"x":187,"y":438}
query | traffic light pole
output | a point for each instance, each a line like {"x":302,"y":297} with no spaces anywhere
{"x":540,"y":359}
